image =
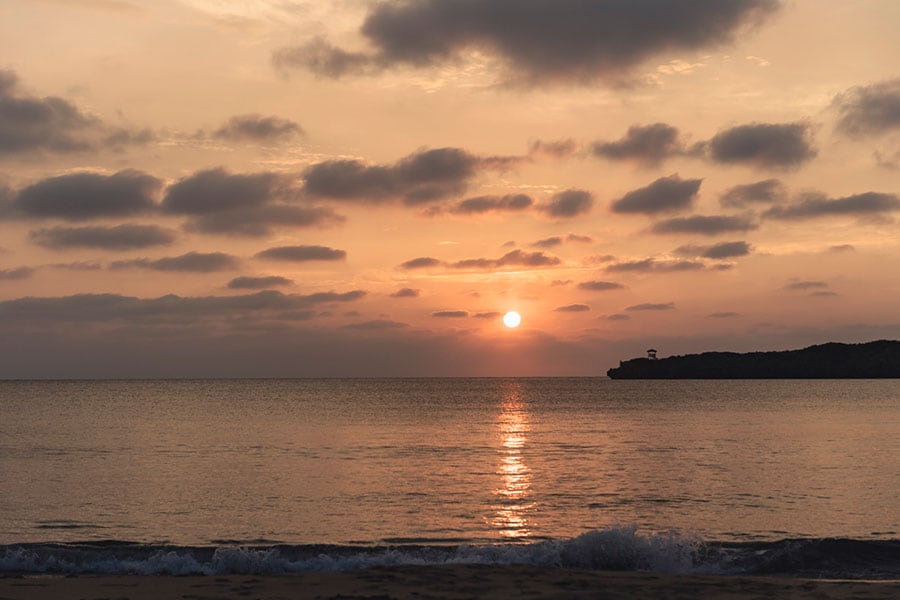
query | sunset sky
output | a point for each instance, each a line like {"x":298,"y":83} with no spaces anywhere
{"x":255,"y":188}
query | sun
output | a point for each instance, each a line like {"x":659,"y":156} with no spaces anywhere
{"x":512,"y":319}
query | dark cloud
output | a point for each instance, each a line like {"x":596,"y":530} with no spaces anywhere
{"x":302,"y":253}
{"x":377,"y":325}
{"x":514,"y":258}
{"x":764,"y":145}
{"x":83,"y":196}
{"x":420,"y":263}
{"x":806,"y":285}
{"x":568,"y":203}
{"x":869,"y":110}
{"x":537,"y":41}
{"x":705,"y":224}
{"x":422,"y":177}
{"x":192,"y":262}
{"x":583,"y":239}
{"x":113,"y":307}
{"x":120,"y":237}
{"x":78,"y":266}
{"x":573,"y":308}
{"x":616,"y":317}
{"x":549,"y":242}
{"x":487,"y":315}
{"x":259,"y":221}
{"x":651,"y":265}
{"x":256,"y":128}
{"x":16,"y":274}
{"x":650,"y":306}
{"x":557,"y":150}
{"x":450,"y":314}
{"x":663,"y":195}
{"x":647,"y":145}
{"x":258,"y":283}
{"x":812,"y":206}
{"x":842,"y":248}
{"x":767,"y":191}
{"x":483,"y":204}
{"x":600,"y":286}
{"x":405,"y":293}
{"x":716,"y":251}
{"x":723,"y":315}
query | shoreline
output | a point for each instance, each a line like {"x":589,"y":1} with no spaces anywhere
{"x":443,"y":581}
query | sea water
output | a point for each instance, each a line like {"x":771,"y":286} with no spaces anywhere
{"x":788,"y":476}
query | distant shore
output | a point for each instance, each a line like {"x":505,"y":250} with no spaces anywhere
{"x":445,"y":581}
{"x":872,"y":360}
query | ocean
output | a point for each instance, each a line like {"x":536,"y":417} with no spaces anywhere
{"x":794,"y":477}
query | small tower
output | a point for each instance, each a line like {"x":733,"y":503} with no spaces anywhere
{"x":651,"y":353}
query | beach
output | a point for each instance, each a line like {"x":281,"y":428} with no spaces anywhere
{"x":445,"y":581}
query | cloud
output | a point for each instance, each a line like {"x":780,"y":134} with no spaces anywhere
{"x":663,"y":195}
{"x":84,"y":196}
{"x":450,"y":314}
{"x":806,"y":285}
{"x":767,"y":191}
{"x":651,"y":265}
{"x":253,"y":204}
{"x":582,"y":239}
{"x":650,"y":306}
{"x":556,"y":150}
{"x":420,"y":263}
{"x":573,"y":308}
{"x":647,"y":145}
{"x":117,"y":238}
{"x":484,"y":204}
{"x":52,"y":124}
{"x":192,"y":262}
{"x":568,"y":203}
{"x":616,"y":317}
{"x":114,"y":307}
{"x":598,"y":259}
{"x":406,"y":293}
{"x":600,"y":286}
{"x":869,"y":110}
{"x":422,"y":177}
{"x":536,"y":41}
{"x":377,"y":325}
{"x":764,"y":145}
{"x":258,"y":283}
{"x":705,"y":224}
{"x":549,"y":242}
{"x":16,"y":274}
{"x":487,"y":315}
{"x":815,"y":205}
{"x":723,"y":315}
{"x":514,"y":258}
{"x":256,"y":128}
{"x":842,"y":248}
{"x":716,"y":251}
{"x":78,"y":266}
{"x":302,"y":253}
{"x":823,"y":294}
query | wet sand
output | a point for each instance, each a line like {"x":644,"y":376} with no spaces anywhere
{"x":446,"y":581}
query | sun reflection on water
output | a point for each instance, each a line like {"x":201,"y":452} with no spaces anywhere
{"x":512,"y":499}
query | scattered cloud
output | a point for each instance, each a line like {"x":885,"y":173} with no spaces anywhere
{"x":716,"y":251}
{"x":815,"y":205}
{"x":723,"y":315}
{"x":422,"y":262}
{"x":484,"y":204}
{"x":302,"y":253}
{"x":256,"y":128}
{"x":705,"y":224}
{"x":406,"y":293}
{"x":16,"y":274}
{"x":651,"y":306}
{"x":823,"y":294}
{"x":616,"y":317}
{"x":556,"y":150}
{"x":600,"y":286}
{"x":377,"y":325}
{"x":538,"y":42}
{"x":514,"y":258}
{"x":842,"y":248}
{"x":869,"y":110}
{"x":568,"y":203}
{"x":573,"y":308}
{"x":666,"y":194}
{"x":549,"y":242}
{"x":652,"y":265}
{"x":806,"y":285}
{"x":84,"y":196}
{"x":450,"y":314}
{"x":646,"y":145}
{"x":767,"y":191}
{"x":258,"y":283}
{"x":192,"y":262}
{"x":598,"y":259}
{"x":487,"y":315}
{"x":764,"y":145}
{"x":117,"y":238}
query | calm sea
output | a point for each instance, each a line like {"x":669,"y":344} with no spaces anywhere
{"x":279,"y":475}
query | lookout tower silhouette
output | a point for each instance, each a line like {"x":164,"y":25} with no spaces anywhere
{"x":651,"y":353}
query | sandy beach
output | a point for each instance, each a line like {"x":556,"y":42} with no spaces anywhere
{"x":456,"y":581}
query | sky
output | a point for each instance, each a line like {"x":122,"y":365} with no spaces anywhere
{"x":290,"y":188}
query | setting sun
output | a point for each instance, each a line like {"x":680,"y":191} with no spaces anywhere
{"x":512,"y":319}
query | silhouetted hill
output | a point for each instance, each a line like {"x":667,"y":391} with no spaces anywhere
{"x":826,"y":361}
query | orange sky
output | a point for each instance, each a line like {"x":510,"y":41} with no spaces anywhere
{"x":242,"y":188}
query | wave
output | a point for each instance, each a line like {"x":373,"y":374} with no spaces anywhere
{"x":616,"y":548}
